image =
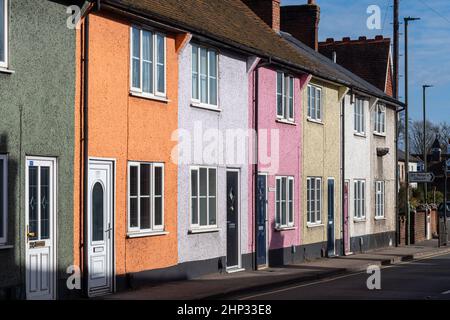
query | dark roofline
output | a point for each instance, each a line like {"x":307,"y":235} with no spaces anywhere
{"x":123,"y":9}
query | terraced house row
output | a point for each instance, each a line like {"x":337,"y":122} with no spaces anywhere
{"x":162,"y":140}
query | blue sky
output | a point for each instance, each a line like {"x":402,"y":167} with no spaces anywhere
{"x":429,"y":44}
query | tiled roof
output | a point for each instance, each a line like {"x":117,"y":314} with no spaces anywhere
{"x":368,"y":58}
{"x":401,"y":157}
{"x":232,"y":23}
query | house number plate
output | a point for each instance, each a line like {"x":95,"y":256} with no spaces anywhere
{"x":37,"y":244}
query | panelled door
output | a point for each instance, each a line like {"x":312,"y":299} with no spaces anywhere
{"x":40,"y":221}
{"x":233,"y":219}
{"x":101,"y":228}
{"x":261,"y":218}
{"x":330,"y":228}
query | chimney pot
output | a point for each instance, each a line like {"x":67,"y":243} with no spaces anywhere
{"x":330,"y":40}
{"x":379,"y":37}
{"x":362,"y":38}
{"x":346,"y":39}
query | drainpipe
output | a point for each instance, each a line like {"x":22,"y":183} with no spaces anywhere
{"x":344,"y":235}
{"x":255,"y":166}
{"x":85,"y":153}
{"x":397,"y":214}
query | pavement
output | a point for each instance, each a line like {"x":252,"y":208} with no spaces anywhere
{"x":226,"y":285}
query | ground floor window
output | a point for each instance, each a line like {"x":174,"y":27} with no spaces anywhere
{"x":314,"y":200}
{"x":145,"y":197}
{"x":360,"y":199}
{"x":284,"y":215}
{"x":203,"y":197}
{"x":379,"y":199}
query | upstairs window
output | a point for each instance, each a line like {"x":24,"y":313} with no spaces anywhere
{"x":3,"y":198}
{"x":204,"y":76}
{"x":148,"y":62}
{"x":380,"y":119}
{"x":285,"y":97}
{"x":145,"y":197}
{"x":359,"y":116}
{"x":3,"y":33}
{"x":314,"y":103}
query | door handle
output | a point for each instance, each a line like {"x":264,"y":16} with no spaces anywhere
{"x":30,"y":234}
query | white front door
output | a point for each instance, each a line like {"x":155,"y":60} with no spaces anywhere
{"x":40,"y":221}
{"x":100,"y":227}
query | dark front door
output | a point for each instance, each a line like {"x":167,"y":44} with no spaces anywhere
{"x":261,"y":218}
{"x":232,"y":218}
{"x":330,"y":233}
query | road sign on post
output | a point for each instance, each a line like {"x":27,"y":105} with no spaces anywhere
{"x":421,"y":177}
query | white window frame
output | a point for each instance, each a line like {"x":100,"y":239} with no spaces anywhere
{"x":380,"y":199}
{"x":4,"y":64}
{"x":152,"y":196}
{"x":197,"y":226}
{"x":380,"y":119}
{"x":4,"y":210}
{"x":318,"y":200}
{"x":315,"y":113}
{"x":359,"y":199}
{"x":197,"y":101}
{"x":139,"y":90}
{"x":359,"y":116}
{"x":287,"y":200}
{"x":287,"y":84}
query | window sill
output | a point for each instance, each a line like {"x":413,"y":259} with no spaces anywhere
{"x":149,"y":97}
{"x":291,"y":123}
{"x":359,"y":220}
{"x":281,"y":229}
{"x":133,"y":235}
{"x":203,"y":230}
{"x":381,"y":135}
{"x":314,"y":225}
{"x":380,"y":219}
{"x":6,"y":247}
{"x":6,"y":70}
{"x":205,"y":107}
{"x":315,"y":121}
{"x":361,"y":135}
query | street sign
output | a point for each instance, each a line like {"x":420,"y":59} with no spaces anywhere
{"x":421,"y":177}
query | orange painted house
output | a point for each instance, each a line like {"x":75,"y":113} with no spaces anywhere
{"x":129,"y":227}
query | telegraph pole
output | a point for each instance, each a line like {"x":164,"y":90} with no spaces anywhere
{"x":425,"y":160}
{"x":407,"y":209}
{"x":396,"y":48}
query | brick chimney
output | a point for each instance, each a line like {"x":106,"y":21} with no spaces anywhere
{"x":267,"y":10}
{"x":302,"y":22}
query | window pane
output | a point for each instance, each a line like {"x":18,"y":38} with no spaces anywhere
{"x":145,"y":213}
{"x":133,"y":180}
{"x":319,"y":105}
{"x":291,"y":97}
{"x":203,"y":212}
{"x":147,"y":46}
{"x":145,"y":180}
{"x":309,"y":101}
{"x":203,"y":75}
{"x":278,"y":204}
{"x":2,"y":190}
{"x":318,"y":199}
{"x":45,"y":202}
{"x":160,"y":43}
{"x":212,"y":64}
{"x":133,"y":213}
{"x":194,"y":193}
{"x":158,"y":181}
{"x":147,"y":62}
{"x":158,"y":211}
{"x":280,"y":94}
{"x":203,"y":182}
{"x":308,"y":199}
{"x":33,"y":201}
{"x":212,"y":211}
{"x":97,"y":212}
{"x":291,"y":201}
{"x":212,"y":182}
{"x":283,"y":202}
{"x":136,"y":56}
{"x":194,"y":72}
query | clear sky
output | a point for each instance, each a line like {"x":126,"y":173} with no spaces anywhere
{"x":429,"y":44}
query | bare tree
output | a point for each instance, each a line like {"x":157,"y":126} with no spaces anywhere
{"x":442,"y":131}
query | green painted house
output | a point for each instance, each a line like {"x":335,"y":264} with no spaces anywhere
{"x":37,"y":97}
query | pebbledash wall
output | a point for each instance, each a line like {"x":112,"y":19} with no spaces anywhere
{"x":286,"y":160}
{"x":363,"y":163}
{"x":128,"y":128}
{"x":322,"y":159}
{"x":36,"y":119}
{"x":205,"y":252}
